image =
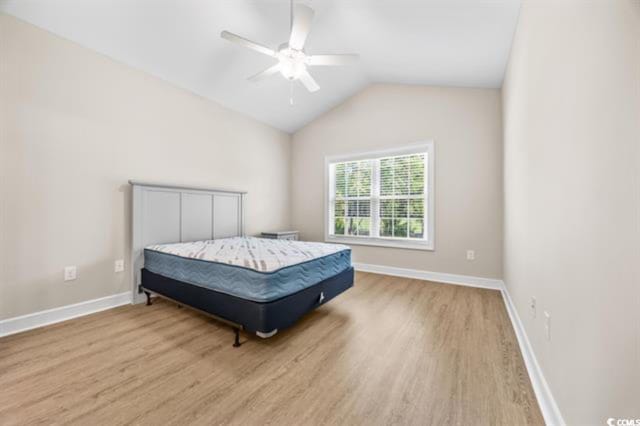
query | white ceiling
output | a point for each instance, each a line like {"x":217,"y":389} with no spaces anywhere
{"x":434,"y":42}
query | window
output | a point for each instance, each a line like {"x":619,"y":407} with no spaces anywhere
{"x":383,"y":198}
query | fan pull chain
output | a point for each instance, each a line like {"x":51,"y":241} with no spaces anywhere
{"x":291,"y":94}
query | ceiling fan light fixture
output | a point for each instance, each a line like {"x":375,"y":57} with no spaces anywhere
{"x":291,"y":70}
{"x":292,"y":63}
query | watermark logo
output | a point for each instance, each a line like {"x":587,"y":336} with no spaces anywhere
{"x":623,"y":422}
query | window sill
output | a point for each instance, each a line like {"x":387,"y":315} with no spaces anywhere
{"x":382,"y":242}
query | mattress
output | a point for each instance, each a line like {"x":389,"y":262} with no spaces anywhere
{"x":257,"y":269}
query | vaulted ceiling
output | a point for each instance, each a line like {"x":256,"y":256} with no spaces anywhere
{"x":433,"y":42}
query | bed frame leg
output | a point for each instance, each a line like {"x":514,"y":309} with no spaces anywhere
{"x":236,"y":343}
{"x":148,"y":298}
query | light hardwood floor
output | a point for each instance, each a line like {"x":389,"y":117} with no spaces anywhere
{"x":388,"y":351}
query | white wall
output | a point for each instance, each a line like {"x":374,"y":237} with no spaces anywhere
{"x":466,"y":127}
{"x":572,"y":199}
{"x":75,"y":127}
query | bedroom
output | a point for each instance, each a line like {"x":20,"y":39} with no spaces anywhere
{"x":457,"y":202}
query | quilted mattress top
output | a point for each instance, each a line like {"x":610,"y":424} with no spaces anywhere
{"x":258,"y":254}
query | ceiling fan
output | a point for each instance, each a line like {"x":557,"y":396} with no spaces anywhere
{"x":292,"y":58}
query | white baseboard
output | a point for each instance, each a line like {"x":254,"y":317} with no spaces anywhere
{"x":548,"y":406}
{"x":440,"y":277}
{"x":63,"y":313}
{"x":547,"y":403}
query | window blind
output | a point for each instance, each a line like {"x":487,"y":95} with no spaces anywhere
{"x":402,"y":194}
{"x":352,"y":200}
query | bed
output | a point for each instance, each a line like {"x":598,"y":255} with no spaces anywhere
{"x":189,"y":247}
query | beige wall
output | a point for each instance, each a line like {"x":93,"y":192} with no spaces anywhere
{"x":572,"y":206}
{"x":75,"y":127}
{"x":465,"y":125}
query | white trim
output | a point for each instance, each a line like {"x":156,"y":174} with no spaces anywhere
{"x":135,"y":182}
{"x":380,"y":242}
{"x":547,"y":403}
{"x":413,"y":148}
{"x":439,"y":277}
{"x":63,"y":313}
{"x":427,"y":146}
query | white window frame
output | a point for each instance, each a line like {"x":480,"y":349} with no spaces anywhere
{"x":426,"y":244}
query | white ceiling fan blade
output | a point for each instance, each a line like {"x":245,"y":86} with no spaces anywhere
{"x":302,"y":16}
{"x":308,"y":81}
{"x":266,"y":73}
{"x":234,"y":38}
{"x":331,"y":60}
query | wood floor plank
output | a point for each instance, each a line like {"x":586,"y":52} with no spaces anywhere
{"x":389,"y":351}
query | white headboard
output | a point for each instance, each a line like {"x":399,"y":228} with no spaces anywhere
{"x":172,"y":214}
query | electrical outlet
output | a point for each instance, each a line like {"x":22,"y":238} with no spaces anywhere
{"x":547,"y":324}
{"x":70,"y":273}
{"x":119,"y":265}
{"x":532,"y":307}
{"x":471,"y":255}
